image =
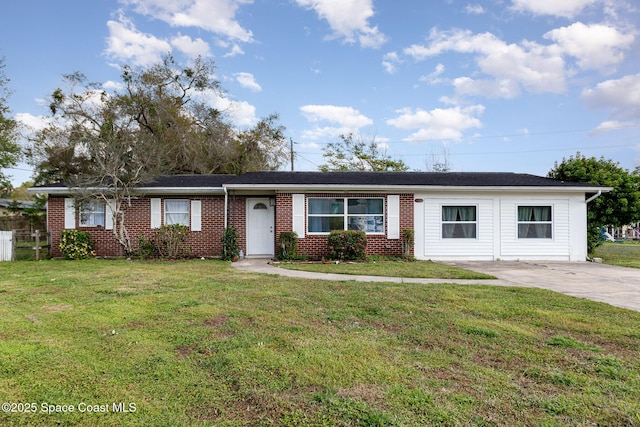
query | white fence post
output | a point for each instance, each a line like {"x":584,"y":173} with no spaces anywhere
{"x":6,"y":245}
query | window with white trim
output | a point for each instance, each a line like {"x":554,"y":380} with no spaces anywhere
{"x":176,"y":212}
{"x":327,"y":214}
{"x":459,"y":222}
{"x":92,"y":214}
{"x":535,"y":222}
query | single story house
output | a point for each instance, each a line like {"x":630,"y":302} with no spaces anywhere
{"x":455,"y":216}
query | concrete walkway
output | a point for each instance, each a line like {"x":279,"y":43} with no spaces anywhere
{"x":617,"y":286}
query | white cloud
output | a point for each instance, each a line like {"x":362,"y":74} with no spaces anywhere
{"x":111,"y":85}
{"x":611,"y":125}
{"x":511,"y":68}
{"x":344,"y":116}
{"x":191,"y":47}
{"x":217,"y":16}
{"x":349,"y":20}
{"x":390,"y":61}
{"x":474,"y":9}
{"x":596,"y":46}
{"x":341,"y":120}
{"x":439,"y":123}
{"x":126,"y":44}
{"x":248,"y":80}
{"x":31,"y":122}
{"x":563,"y":8}
{"x":434,"y":77}
{"x":236,"y":50}
{"x":621,"y":96}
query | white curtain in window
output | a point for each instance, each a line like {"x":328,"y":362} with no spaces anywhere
{"x":176,"y":212}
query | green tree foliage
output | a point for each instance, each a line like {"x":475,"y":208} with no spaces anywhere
{"x":107,"y":144}
{"x":619,"y":207}
{"x":9,"y":147}
{"x":353,"y":153}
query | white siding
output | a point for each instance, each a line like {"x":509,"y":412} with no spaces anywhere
{"x":556,"y":248}
{"x":438,"y":248}
{"x":497,"y":232}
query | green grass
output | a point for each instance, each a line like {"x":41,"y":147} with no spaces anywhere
{"x":198,"y":343}
{"x":391,"y":268}
{"x":624,"y":254}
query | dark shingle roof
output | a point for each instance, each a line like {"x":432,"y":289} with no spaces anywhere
{"x":452,"y":179}
{"x":369,"y":179}
{"x":186,"y":181}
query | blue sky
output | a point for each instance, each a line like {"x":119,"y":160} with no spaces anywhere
{"x":503,"y":85}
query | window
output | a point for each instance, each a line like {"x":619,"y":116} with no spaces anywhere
{"x":534,"y":222}
{"x":325,"y":214}
{"x":176,"y":212}
{"x":92,"y":214}
{"x":459,"y":222}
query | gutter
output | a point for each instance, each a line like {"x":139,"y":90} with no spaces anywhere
{"x":595,"y":196}
{"x":226,"y":207}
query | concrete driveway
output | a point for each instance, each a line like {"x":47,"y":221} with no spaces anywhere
{"x":617,"y":286}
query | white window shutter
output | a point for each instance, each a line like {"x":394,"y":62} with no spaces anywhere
{"x":110,"y":207}
{"x":298,"y":214}
{"x":69,"y":213}
{"x":393,"y":217}
{"x":156,"y":213}
{"x":196,"y":215}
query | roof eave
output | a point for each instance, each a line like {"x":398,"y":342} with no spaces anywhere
{"x":411,"y":188}
{"x":61,"y":191}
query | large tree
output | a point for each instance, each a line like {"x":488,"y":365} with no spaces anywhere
{"x":9,"y":147}
{"x":354,"y":153}
{"x":107,"y":144}
{"x":619,"y":207}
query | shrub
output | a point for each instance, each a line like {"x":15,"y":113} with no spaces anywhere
{"x":230,"y":247}
{"x":146,"y":247}
{"x":288,"y":245}
{"x":407,"y":242}
{"x":170,"y":241}
{"x":76,"y":244}
{"x":347,"y":245}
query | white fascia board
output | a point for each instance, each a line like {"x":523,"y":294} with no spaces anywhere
{"x":141,"y":190}
{"x":325,"y":188}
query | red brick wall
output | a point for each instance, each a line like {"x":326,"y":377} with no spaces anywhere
{"x":138,"y":222}
{"x":208,"y":241}
{"x":315,"y":246}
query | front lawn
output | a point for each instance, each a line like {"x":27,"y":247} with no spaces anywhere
{"x":199,"y":343}
{"x":624,"y":254}
{"x":391,"y":268}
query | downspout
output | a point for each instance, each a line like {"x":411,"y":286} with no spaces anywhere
{"x":595,"y":196}
{"x":591,"y":199}
{"x":226,"y":207}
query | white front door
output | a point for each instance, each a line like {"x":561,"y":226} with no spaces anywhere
{"x":260,"y":224}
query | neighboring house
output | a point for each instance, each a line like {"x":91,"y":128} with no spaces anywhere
{"x":7,"y":206}
{"x":456,"y":216}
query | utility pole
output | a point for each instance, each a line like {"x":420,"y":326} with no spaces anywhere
{"x":291,"y":152}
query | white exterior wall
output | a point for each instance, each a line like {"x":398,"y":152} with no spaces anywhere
{"x":497,"y":230}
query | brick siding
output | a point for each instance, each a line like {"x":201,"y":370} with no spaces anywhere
{"x":138,"y":223}
{"x":207,"y":242}
{"x":315,"y":246}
